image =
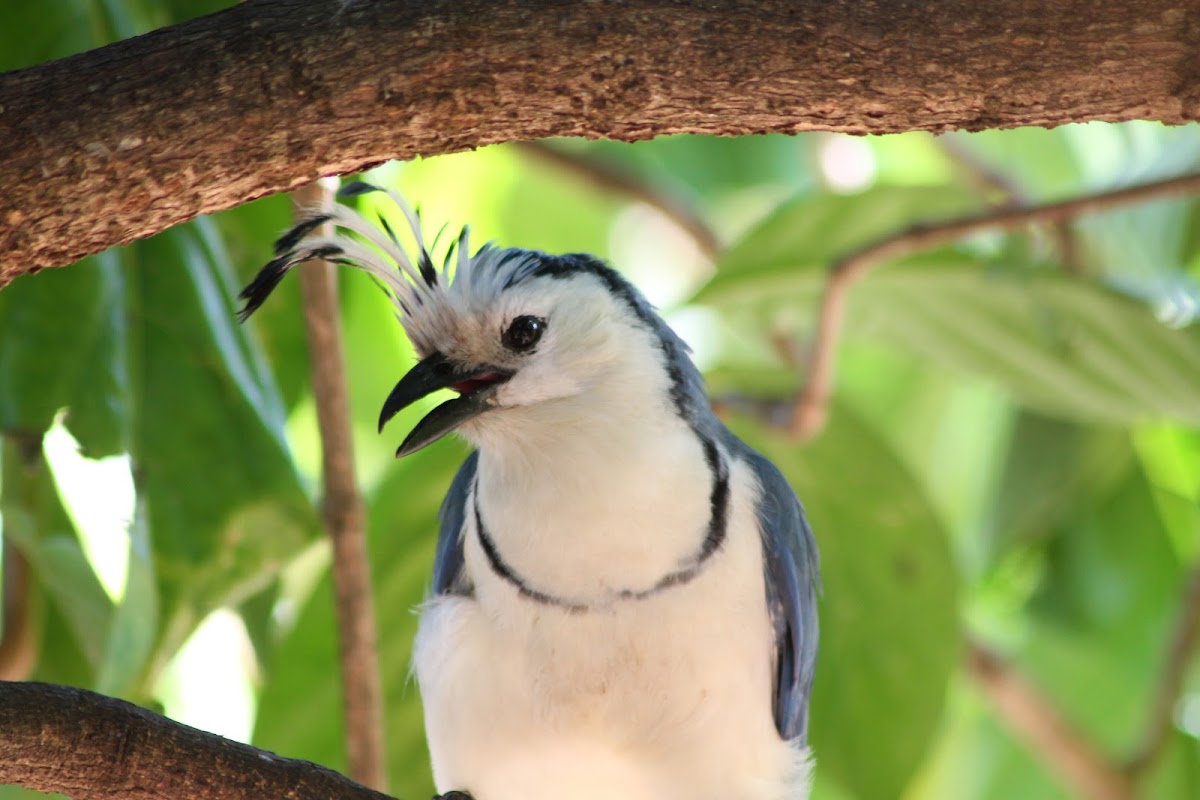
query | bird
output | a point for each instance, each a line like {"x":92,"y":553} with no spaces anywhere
{"x":624,"y":593}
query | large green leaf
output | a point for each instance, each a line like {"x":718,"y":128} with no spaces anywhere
{"x":1051,"y":468}
{"x":1057,"y":344}
{"x":144,"y":352}
{"x":889,"y":620}
{"x":223,"y":504}
{"x":36,"y":523}
{"x":402,"y":537}
{"x":809,"y":232}
{"x":248,"y":232}
{"x":62,"y":341}
{"x":1104,"y":611}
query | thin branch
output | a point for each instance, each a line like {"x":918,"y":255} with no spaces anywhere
{"x":344,"y":512}
{"x":1047,"y":736}
{"x":92,"y":747}
{"x":1064,"y":239}
{"x":610,"y":177}
{"x":20,"y":629}
{"x":18,"y":632}
{"x":108,"y":146}
{"x":812,"y":405}
{"x":1180,"y":652}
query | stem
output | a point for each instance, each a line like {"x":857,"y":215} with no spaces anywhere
{"x":1038,"y":726}
{"x":1181,"y":649}
{"x":811,"y":407}
{"x":610,"y":177}
{"x":344,"y":514}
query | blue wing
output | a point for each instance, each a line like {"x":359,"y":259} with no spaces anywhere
{"x":449,"y":577}
{"x":792,"y":575}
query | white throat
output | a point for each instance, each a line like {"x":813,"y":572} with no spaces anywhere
{"x":597,"y":495}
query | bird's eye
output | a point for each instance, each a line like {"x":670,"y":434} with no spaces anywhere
{"x":523,"y":333}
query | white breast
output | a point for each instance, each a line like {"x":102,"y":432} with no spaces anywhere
{"x":664,"y":697}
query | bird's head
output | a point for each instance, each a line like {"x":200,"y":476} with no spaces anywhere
{"x":508,"y":330}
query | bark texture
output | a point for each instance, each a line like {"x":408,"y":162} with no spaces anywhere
{"x":91,"y":747}
{"x":121,"y":142}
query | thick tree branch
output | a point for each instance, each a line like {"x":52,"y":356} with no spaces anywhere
{"x":344,"y":512}
{"x":1035,"y":723}
{"x":112,"y":145}
{"x":91,"y":747}
{"x":811,"y":406}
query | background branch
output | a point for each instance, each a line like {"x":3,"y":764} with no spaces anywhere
{"x":92,"y":747}
{"x":608,"y":177}
{"x":344,"y":511}
{"x":108,"y":146}
{"x":1180,"y":650}
{"x":812,"y":405}
{"x":1035,"y":723}
{"x":18,"y":634}
{"x":1007,"y":194}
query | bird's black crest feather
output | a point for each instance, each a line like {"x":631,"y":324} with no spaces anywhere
{"x":387,"y":228}
{"x":357,"y":189}
{"x":288,"y":242}
{"x":425,"y":262}
{"x":269,"y":276}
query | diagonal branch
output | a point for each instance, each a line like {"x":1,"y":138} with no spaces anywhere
{"x":1180,"y":651}
{"x":1048,"y":737}
{"x":344,"y":512}
{"x":611,"y":177}
{"x":1010,"y":196}
{"x":92,"y":747}
{"x":108,"y":146}
{"x":812,"y":405}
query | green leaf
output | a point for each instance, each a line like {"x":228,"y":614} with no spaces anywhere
{"x":36,"y":523}
{"x":224,"y":507}
{"x":1052,"y":467}
{"x":710,"y":165}
{"x":1104,"y":611}
{"x":1056,"y":344}
{"x":62,"y":340}
{"x":1177,"y":772}
{"x":889,"y":615}
{"x":135,"y":622}
{"x":248,"y":232}
{"x":403,"y":532}
{"x":807,"y":234}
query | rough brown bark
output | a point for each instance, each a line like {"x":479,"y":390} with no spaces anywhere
{"x":116,"y":144}
{"x":91,"y":747}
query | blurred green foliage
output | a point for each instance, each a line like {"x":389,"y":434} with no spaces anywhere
{"x":1013,"y":457}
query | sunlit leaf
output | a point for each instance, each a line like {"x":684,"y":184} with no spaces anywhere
{"x":36,"y":524}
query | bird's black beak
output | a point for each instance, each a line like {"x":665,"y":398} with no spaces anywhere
{"x":476,"y":385}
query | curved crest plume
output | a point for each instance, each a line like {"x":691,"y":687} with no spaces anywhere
{"x":410,"y":282}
